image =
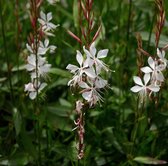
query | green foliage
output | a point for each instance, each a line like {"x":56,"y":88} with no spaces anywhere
{"x":114,"y":134}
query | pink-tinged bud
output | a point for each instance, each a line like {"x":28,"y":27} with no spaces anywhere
{"x":74,"y":36}
{"x":33,"y":22}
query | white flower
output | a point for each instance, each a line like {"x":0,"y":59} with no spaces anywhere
{"x":162,"y":58}
{"x":144,"y":88}
{"x":96,"y":59}
{"x":32,"y":89}
{"x":156,"y":70}
{"x":47,"y":26}
{"x":90,"y":93}
{"x":42,"y":66}
{"x":79,"y":71}
{"x":44,"y":47}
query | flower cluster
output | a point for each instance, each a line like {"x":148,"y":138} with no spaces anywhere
{"x":153,"y":76}
{"x":87,"y":74}
{"x":37,"y":64}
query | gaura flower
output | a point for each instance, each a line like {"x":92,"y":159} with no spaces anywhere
{"x":90,"y":93}
{"x":47,"y":26}
{"x":79,"y":71}
{"x":42,"y":66}
{"x":32,"y":89}
{"x":144,"y":88}
{"x":91,"y":54}
{"x":162,"y":59}
{"x":155,"y":69}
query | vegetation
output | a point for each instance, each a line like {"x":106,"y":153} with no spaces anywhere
{"x":127,"y":128}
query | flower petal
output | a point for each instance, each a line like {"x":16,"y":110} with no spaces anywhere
{"x":93,"y":49}
{"x":137,"y":80}
{"x":79,"y":58}
{"x":146,"y":69}
{"x":136,"y":88}
{"x":72,"y":68}
{"x":154,"y":88}
{"x":102,"y":53}
{"x":33,"y":95}
{"x":146,"y":78}
{"x":84,"y":85}
{"x":90,"y":72}
{"x":87,"y":95}
{"x":151,"y":62}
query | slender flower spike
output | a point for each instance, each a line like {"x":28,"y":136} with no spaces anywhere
{"x":91,"y":54}
{"x":144,"y":88}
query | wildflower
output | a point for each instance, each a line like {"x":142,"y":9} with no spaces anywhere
{"x":79,"y":71}
{"x":42,"y":66}
{"x":155,"y":69}
{"x":144,"y":88}
{"x":32,"y":89}
{"x":90,"y":93}
{"x":91,"y":54}
{"x":47,"y":26}
{"x":162,"y":59}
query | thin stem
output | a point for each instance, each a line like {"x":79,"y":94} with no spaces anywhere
{"x":128,"y":27}
{"x":6,"y":53}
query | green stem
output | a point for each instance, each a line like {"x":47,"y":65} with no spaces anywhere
{"x":128,"y":28}
{"x":6,"y":53}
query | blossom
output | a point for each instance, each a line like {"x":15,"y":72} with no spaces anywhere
{"x":155,"y":69}
{"x":162,"y":59}
{"x":47,"y":26}
{"x":44,"y":47}
{"x":90,"y":93}
{"x":42,"y":67}
{"x":32,"y":89}
{"x":91,"y":54}
{"x":79,"y":71}
{"x":143,"y":88}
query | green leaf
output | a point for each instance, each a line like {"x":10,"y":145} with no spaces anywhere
{"x":60,"y":72}
{"x":149,"y":160}
{"x":17,"y":120}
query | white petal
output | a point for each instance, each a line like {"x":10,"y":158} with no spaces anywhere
{"x":46,"y":42}
{"x":159,"y":53}
{"x":79,"y":58}
{"x":88,"y":54}
{"x":137,"y":80}
{"x":146,"y":78}
{"x":42,"y":15}
{"x":87,"y":95}
{"x":90,"y":72}
{"x":42,"y":86}
{"x":29,"y":48}
{"x":136,"y":88}
{"x":93,"y":49}
{"x":30,"y":67}
{"x":102,"y":53}
{"x":146,"y":69}
{"x":154,"y":88}
{"x":72,"y":68}
{"x":100,"y":83}
{"x":160,"y":77}
{"x":42,"y":22}
{"x":84,"y":85}
{"x":32,"y":95}
{"x":32,"y":59}
{"x":49,"y":16}
{"x":151,"y":62}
